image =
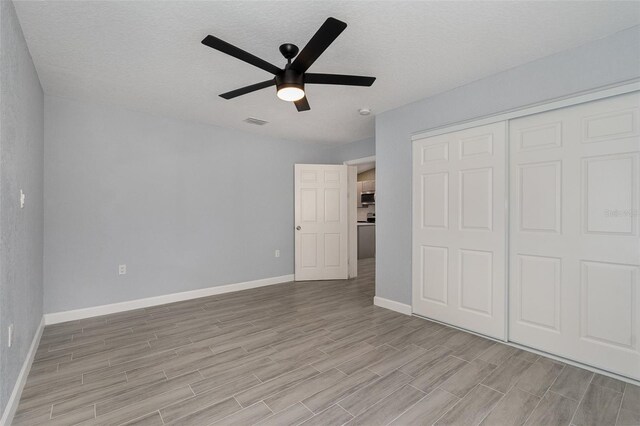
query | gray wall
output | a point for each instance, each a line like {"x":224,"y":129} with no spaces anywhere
{"x":183,"y":205}
{"x":354,"y":150}
{"x":603,"y":62}
{"x":21,"y":230}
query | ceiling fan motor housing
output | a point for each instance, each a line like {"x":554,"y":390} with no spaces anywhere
{"x":289,"y":78}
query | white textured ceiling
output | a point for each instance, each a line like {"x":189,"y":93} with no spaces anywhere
{"x":146,"y":55}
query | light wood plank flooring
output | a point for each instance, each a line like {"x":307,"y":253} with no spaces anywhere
{"x":315,"y":353}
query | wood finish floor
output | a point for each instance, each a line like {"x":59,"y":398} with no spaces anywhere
{"x":316,"y":353}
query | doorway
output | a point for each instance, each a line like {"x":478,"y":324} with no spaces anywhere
{"x":362,"y":199}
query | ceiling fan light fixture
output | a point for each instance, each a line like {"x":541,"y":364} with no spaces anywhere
{"x":291,"y":93}
{"x":291,"y":79}
{"x":290,"y":85}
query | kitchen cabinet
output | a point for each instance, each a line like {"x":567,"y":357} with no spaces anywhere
{"x":359,"y":192}
{"x":366,"y":241}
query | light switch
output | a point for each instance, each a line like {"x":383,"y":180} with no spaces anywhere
{"x":22,"y":199}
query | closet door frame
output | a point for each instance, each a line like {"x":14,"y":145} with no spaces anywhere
{"x":585,"y":97}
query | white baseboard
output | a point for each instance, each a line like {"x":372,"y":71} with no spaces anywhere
{"x":393,"y":305}
{"x":14,"y":399}
{"x":113,"y":308}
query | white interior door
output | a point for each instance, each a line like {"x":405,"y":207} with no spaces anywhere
{"x":574,"y":242}
{"x":459,"y":228}
{"x":321,"y":233}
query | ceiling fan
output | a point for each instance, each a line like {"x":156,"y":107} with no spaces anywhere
{"x":291,"y":79}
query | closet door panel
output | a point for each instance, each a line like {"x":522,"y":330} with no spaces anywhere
{"x":574,"y":242}
{"x":459,"y":229}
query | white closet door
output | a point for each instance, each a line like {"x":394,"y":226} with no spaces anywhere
{"x":459,"y":229}
{"x":574,"y":242}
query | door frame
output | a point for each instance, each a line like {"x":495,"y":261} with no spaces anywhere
{"x":352,"y":191}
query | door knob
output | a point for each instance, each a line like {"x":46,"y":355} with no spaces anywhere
{"x":298,"y":227}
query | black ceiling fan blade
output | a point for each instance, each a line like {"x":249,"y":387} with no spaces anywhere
{"x":302,"y":104}
{"x":236,"y":52}
{"x":327,"y":33}
{"x":248,"y":89}
{"x":341,"y":79}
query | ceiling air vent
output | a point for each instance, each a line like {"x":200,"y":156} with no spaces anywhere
{"x":256,"y":121}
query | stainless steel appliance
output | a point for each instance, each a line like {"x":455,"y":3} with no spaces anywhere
{"x":368,"y":198}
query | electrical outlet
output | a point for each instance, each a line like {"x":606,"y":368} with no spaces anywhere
{"x":10,"y":335}
{"x":122,"y":269}
{"x":277,"y":253}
